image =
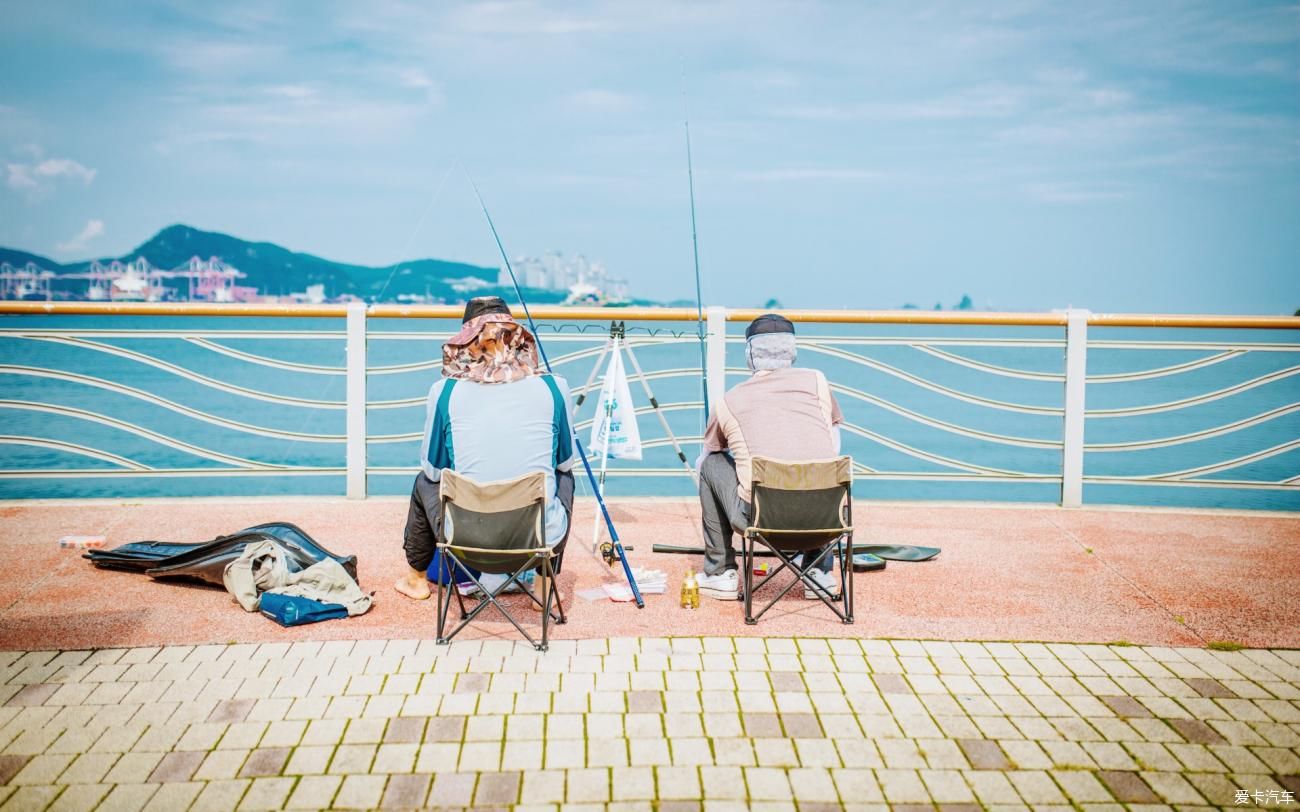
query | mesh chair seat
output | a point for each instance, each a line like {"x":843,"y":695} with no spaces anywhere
{"x":496,"y":528}
{"x":803,"y":507}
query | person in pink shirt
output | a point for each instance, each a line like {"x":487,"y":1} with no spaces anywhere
{"x":782,"y":412}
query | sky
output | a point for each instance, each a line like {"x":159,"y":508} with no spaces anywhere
{"x":1118,"y":156}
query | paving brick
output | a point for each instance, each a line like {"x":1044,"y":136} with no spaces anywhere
{"x":221,"y":795}
{"x":11,"y":765}
{"x":1209,"y":688}
{"x":1215,"y":788}
{"x":588,"y":785}
{"x":1036,"y":787}
{"x":129,"y":797}
{"x":902,"y":786}
{"x":1237,"y":759}
{"x":762,"y":725}
{"x":1172,"y":788}
{"x":543,"y":786}
{"x":1026,"y":755}
{"x":360,"y":792}
{"x":1081,"y":787}
{"x":80,"y":798}
{"x":267,"y":794}
{"x":33,"y":797}
{"x":406,"y":791}
{"x":132,"y":768}
{"x":765,"y":783}
{"x":1196,"y":731}
{"x":984,"y":754}
{"x":1127,"y":787}
{"x":452,"y":789}
{"x":309,"y":759}
{"x":265,"y":762}
{"x":221,"y":765}
{"x":497,"y":788}
{"x":629,"y":784}
{"x":177,"y":767}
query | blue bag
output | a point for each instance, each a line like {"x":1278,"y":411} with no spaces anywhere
{"x":439,"y":570}
{"x":291,"y":610}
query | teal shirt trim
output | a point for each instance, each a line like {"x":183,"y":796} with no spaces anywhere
{"x":441,"y":452}
{"x":562,"y":443}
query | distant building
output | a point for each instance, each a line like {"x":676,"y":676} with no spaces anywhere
{"x":555,"y":271}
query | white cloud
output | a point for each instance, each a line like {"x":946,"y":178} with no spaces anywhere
{"x":983,"y":102}
{"x":65,"y":167}
{"x":416,"y":79}
{"x":20,"y":176}
{"x":296,"y":92}
{"x":527,"y":18}
{"x":797,"y":175}
{"x":601,"y":101}
{"x":92,"y":229}
{"x":31,"y":175}
{"x":1067,"y":192}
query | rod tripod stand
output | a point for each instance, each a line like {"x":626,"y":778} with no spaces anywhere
{"x":617,"y":342}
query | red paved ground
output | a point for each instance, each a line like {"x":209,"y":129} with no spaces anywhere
{"x":1006,"y":573}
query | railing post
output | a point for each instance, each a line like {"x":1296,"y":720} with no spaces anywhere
{"x":715,"y":345}
{"x":356,"y":400}
{"x":1076,"y":379}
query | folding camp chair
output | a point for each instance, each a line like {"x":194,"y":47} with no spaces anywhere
{"x":801,"y":507}
{"x":497,"y":528}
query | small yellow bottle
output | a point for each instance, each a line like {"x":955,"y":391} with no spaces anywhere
{"x":690,"y":591}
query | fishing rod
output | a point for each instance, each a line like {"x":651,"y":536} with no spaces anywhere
{"x":699,"y":297}
{"x":586,"y":465}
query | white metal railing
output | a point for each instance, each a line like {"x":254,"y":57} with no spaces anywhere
{"x":1067,"y":421}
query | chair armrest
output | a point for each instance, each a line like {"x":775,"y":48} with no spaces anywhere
{"x":545,"y":551}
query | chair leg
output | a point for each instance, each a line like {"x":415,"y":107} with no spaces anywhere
{"x":811,"y":558}
{"x":547,"y":579}
{"x":747,"y":558}
{"x":444,"y":603}
{"x":846,"y":578}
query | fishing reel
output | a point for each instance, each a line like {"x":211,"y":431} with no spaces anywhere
{"x":610,"y":553}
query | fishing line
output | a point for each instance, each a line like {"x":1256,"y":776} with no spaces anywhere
{"x":406,"y":244}
{"x":411,"y":236}
{"x":582,"y":453}
{"x":695,"y":249}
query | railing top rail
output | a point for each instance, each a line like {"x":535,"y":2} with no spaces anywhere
{"x":679,"y":314}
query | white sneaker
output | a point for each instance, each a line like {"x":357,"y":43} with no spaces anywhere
{"x":724,"y":586}
{"x":826,"y":580}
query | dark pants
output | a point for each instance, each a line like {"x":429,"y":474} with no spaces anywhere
{"x":424,"y":520}
{"x":724,"y":513}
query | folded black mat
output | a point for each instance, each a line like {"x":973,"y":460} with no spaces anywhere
{"x":897,"y":552}
{"x":207,"y":561}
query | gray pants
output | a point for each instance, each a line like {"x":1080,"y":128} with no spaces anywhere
{"x":724,"y":513}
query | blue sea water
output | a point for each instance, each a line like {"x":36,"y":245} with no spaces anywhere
{"x":932,"y":412}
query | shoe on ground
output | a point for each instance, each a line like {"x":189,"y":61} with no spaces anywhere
{"x":493,"y":581}
{"x":826,"y":580}
{"x":724,"y":586}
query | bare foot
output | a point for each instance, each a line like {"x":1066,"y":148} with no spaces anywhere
{"x":543,"y":585}
{"x":413,"y":585}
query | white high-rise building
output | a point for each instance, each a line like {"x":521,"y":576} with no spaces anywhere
{"x":554,"y":271}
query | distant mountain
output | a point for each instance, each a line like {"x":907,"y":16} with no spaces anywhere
{"x":277,"y":271}
{"x":19,"y":259}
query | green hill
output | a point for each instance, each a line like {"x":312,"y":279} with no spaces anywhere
{"x":275,"y":270}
